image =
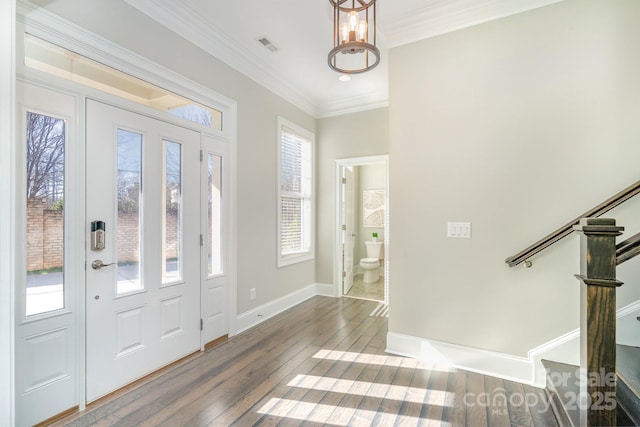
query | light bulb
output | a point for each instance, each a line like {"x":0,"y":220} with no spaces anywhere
{"x":353,"y":20}
{"x":362,"y":31}
{"x":345,"y":32}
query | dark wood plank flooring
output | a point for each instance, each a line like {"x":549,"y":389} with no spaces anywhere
{"x":319,"y":363}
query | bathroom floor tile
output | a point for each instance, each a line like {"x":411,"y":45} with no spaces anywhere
{"x":373,"y":291}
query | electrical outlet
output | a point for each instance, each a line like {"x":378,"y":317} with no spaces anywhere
{"x":252,"y":293}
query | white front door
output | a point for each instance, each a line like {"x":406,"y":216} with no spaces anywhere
{"x":143,"y":225}
{"x":349,"y":228}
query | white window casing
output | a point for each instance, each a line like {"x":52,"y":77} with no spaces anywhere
{"x":295,"y":194}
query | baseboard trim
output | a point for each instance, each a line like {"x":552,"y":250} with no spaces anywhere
{"x":326,"y":289}
{"x":566,"y":348}
{"x":628,"y":309}
{"x":255,"y":316}
{"x":528,"y":370}
{"x":484,"y":362}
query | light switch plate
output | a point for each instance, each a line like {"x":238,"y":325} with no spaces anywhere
{"x":459,"y":230}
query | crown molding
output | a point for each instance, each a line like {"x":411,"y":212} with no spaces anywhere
{"x":442,"y":17}
{"x":352,"y":105}
{"x":176,"y":16}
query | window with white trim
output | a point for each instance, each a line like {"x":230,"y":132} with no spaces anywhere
{"x":295,"y":193}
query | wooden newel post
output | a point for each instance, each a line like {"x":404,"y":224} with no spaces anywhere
{"x":598,"y":320}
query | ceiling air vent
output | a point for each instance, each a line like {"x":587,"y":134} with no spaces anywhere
{"x":264,"y":41}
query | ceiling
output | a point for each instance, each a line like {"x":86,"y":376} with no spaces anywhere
{"x":302,"y":32}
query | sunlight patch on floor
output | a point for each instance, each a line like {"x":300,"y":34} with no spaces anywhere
{"x":336,"y":415}
{"x":381,"y":310}
{"x":375,"y":390}
{"x":375,"y":359}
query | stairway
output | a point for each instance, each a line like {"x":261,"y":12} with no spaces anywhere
{"x":628,"y":386}
{"x":563,"y":388}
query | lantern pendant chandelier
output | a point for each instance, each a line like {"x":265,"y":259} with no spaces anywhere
{"x":354,"y":36}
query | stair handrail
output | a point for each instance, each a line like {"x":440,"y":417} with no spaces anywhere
{"x":567,"y":229}
{"x":628,"y":249}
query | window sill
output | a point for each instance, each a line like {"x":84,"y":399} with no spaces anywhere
{"x":287,"y":260}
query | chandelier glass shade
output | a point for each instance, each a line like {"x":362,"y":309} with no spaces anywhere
{"x":354,"y":36}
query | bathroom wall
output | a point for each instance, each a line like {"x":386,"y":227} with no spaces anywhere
{"x":370,"y":177}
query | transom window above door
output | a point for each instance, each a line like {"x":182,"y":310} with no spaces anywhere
{"x":55,"y":60}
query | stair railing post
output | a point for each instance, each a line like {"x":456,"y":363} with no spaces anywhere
{"x":598,"y":286}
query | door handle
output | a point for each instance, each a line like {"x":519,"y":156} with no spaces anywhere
{"x":98,"y":264}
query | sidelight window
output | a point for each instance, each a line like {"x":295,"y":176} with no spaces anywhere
{"x":45,"y":147}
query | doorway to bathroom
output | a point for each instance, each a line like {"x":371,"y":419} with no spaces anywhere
{"x":362,"y":231}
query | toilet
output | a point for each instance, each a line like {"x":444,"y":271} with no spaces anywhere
{"x":371,"y":264}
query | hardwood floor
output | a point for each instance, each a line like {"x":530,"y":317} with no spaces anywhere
{"x":319,"y":363}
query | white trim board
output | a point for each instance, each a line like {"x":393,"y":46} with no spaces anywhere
{"x":484,"y":362}
{"x":528,"y":370}
{"x":255,"y":316}
{"x":566,"y":348}
{"x":7,"y":210}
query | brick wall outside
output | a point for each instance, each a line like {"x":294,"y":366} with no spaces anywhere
{"x":53,"y":242}
{"x":172,"y":235}
{"x":128,"y":236}
{"x":35,"y":235}
{"x":45,"y":236}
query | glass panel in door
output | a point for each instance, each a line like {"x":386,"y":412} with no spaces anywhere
{"x":129,"y":209}
{"x":171,"y":221}
{"x":214,"y":219}
{"x":45,"y":148}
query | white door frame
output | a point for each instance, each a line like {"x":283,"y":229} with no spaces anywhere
{"x":7,"y":208}
{"x":40,"y":23}
{"x":337,"y":246}
{"x":348,"y":218}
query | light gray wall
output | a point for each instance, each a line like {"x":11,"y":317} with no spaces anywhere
{"x":258,"y":109}
{"x":518,"y":126}
{"x":351,"y":135}
{"x":370,"y":177}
